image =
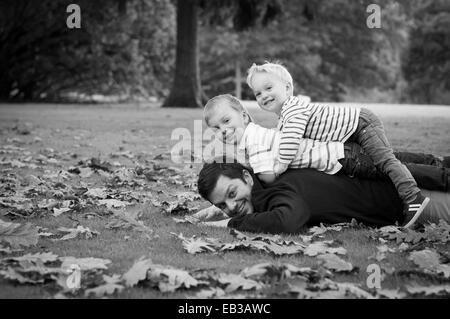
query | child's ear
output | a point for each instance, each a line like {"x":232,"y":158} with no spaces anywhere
{"x":246,"y":118}
{"x":289,"y":88}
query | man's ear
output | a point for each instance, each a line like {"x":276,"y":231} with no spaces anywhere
{"x":247,"y":177}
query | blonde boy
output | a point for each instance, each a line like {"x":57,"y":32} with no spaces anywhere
{"x":273,"y":87}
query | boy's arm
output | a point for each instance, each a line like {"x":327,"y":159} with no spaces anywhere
{"x":286,"y":213}
{"x":291,"y":133}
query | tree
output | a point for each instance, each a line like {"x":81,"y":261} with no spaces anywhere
{"x":186,"y":88}
{"x":426,"y":64}
{"x":115,"y":52}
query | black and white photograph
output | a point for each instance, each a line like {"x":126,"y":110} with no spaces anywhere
{"x":225,"y":157}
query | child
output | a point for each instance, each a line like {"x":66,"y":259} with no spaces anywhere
{"x":273,"y":88}
{"x":233,"y":125}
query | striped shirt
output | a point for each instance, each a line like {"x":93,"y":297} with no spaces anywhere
{"x":261,"y":147}
{"x":313,"y":121}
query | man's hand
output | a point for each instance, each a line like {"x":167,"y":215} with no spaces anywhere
{"x":279,"y":168}
{"x":220,"y":223}
{"x":210,"y":213}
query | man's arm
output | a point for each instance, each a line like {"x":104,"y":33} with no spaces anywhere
{"x":286,"y":213}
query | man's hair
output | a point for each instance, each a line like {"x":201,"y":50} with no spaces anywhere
{"x":275,"y":68}
{"x":224,"y":99}
{"x":210,"y":173}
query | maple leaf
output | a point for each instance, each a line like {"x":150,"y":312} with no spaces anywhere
{"x":75,"y":232}
{"x":429,"y":290}
{"x":88,"y":263}
{"x":321,"y":247}
{"x":280,"y":250}
{"x":137,"y":272}
{"x":333,"y":262}
{"x":18,"y":234}
{"x":197,"y":245}
{"x":112,"y":284}
{"x":170,"y":279}
{"x":429,"y":261}
{"x":234,"y":282}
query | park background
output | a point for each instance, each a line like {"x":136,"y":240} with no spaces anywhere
{"x":126,"y":50}
{"x":87,"y":175}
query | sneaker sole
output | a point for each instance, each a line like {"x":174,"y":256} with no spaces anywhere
{"x":419,"y":212}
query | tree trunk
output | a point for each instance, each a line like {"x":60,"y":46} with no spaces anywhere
{"x":186,"y":89}
{"x":238,"y":79}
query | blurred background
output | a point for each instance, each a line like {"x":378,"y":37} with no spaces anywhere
{"x":180,"y":53}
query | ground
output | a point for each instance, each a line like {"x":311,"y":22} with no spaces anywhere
{"x":55,"y":159}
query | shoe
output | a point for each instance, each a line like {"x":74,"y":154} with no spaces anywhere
{"x":414,"y":210}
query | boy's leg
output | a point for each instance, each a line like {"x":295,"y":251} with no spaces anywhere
{"x":356,"y":163}
{"x":371,"y":136}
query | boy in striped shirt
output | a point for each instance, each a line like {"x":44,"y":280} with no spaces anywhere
{"x":272,"y":85}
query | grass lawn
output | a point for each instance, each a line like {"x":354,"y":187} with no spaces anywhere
{"x":49,"y":139}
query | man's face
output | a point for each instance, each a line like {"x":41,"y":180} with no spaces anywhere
{"x":233,"y":196}
{"x":270,"y":91}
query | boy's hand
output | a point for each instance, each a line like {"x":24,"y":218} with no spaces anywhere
{"x":279,"y":168}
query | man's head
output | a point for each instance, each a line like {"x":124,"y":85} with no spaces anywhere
{"x":272,"y":85}
{"x":227,"y":117}
{"x":227,"y":186}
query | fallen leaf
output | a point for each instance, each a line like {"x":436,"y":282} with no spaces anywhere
{"x":112,"y":203}
{"x":137,"y":272}
{"x":34,"y":258}
{"x":12,"y":274}
{"x":210,"y":293}
{"x":169,"y":279}
{"x":391,"y":294}
{"x":88,"y":263}
{"x":429,"y":261}
{"x":76,"y":232}
{"x":321,"y":247}
{"x":18,"y":234}
{"x":97,"y":193}
{"x":234,"y":282}
{"x":112,"y":284}
{"x":333,"y":262}
{"x":440,"y":290}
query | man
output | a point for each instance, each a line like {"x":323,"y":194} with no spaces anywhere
{"x":301,"y":198}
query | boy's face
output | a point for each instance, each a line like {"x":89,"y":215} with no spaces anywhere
{"x":233,"y":196}
{"x":270,"y":91}
{"x":228,"y":123}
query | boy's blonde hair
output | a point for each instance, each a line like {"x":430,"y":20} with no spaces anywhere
{"x":271,"y":68}
{"x":228,"y":99}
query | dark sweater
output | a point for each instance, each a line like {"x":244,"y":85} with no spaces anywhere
{"x":306,"y":197}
